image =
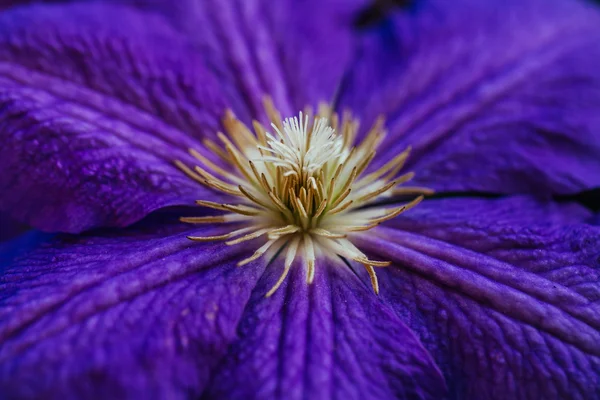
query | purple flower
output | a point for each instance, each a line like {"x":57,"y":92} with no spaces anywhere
{"x":492,"y":291}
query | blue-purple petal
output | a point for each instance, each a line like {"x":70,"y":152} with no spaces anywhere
{"x":96,"y":104}
{"x":508,"y":305}
{"x":333,"y":339}
{"x":295,"y":51}
{"x":141,"y":314}
{"x":494,"y":96}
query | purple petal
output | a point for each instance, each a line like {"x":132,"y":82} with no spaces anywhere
{"x":331,"y":340}
{"x":143,"y":314}
{"x":508,"y":307}
{"x":98,"y":100}
{"x":295,"y":51}
{"x":96,"y":103}
{"x":496,"y":96}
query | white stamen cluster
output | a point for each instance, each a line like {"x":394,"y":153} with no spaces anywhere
{"x":302,"y":190}
{"x":297,"y":151}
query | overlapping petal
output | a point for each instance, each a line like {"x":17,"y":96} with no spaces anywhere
{"x":494,"y":96}
{"x":503,"y":293}
{"x":144,"y":313}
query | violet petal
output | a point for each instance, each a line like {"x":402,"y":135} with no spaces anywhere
{"x":295,"y":51}
{"x":141,"y":314}
{"x":508,"y":308}
{"x":333,"y":339}
{"x":97,"y":102}
{"x":494,"y":96}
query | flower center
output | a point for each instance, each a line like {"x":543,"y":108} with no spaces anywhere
{"x":301,"y":187}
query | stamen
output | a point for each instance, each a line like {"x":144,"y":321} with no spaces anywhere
{"x":289,"y":258}
{"x":276,"y":233}
{"x":407,"y":190}
{"x":326,"y":233}
{"x":247,"y":237}
{"x":341,"y":208}
{"x":209,"y":238}
{"x":216,"y":149}
{"x":301,"y":185}
{"x":209,"y":219}
{"x":254,"y":199}
{"x":309,"y":254}
{"x":258,"y":253}
{"x":373,"y":276}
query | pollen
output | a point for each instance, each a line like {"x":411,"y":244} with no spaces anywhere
{"x":301,"y":187}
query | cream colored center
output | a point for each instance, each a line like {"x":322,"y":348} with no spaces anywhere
{"x":301,"y":189}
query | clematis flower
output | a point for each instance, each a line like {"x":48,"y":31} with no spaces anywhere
{"x":491,"y":291}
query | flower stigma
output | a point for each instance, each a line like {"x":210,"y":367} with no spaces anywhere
{"x":301,"y":186}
